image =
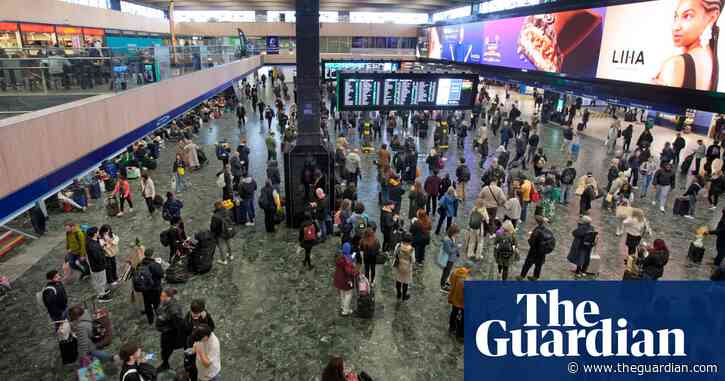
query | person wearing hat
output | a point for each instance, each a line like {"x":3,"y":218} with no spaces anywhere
{"x":504,"y":250}
{"x":455,"y":298}
{"x":537,"y":255}
{"x":345,"y":273}
{"x":581,"y":247}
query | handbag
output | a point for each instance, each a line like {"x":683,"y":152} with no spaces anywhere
{"x":181,"y":171}
{"x":442,"y":259}
{"x":535,"y":195}
{"x":381,"y":259}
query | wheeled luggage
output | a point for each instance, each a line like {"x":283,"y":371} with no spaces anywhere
{"x":681,"y":206}
{"x":112,"y":207}
{"x":102,"y":328}
{"x":201,"y":257}
{"x":695,"y":253}
{"x":177,"y":272}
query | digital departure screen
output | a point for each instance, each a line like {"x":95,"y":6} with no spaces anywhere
{"x":407,"y":91}
{"x":331,"y":68}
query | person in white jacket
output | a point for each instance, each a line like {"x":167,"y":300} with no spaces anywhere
{"x":148,"y":190}
{"x":512,"y":210}
{"x":492,"y":197}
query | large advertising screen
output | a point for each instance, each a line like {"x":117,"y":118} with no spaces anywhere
{"x":406,"y":91}
{"x":330,"y":68}
{"x":664,"y":42}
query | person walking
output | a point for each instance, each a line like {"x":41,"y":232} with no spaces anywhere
{"x":505,"y":251}
{"x":123,"y":190}
{"x":477,"y":220}
{"x":431,"y":186}
{"x":97,"y":264}
{"x":208,"y":354}
{"x":541,"y":243}
{"x":664,"y":181}
{"x":403,"y":264}
{"x":179,"y":171}
{"x":450,"y":250}
{"x":420,"y":228}
{"x":719,"y":232}
{"x":568,"y":175}
{"x":695,"y":186}
{"x":344,"y":277}
{"x":152,"y":271}
{"x":463,"y":176}
{"x":241,"y":115}
{"x":635,"y":226}
{"x":699,"y":155}
{"x":75,"y":246}
{"x":585,"y":238}
{"x":455,"y":298}
{"x":678,"y":145}
{"x":370,"y":247}
{"x":308,"y":237}
{"x":647,"y":169}
{"x":223,"y":230}
{"x":246,"y":189}
{"x":717,"y":186}
{"x":148,"y":191}
{"x":55,"y":298}
{"x":447,"y":210}
{"x":109,"y":243}
{"x":170,"y":323}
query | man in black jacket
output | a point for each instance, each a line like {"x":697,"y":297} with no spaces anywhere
{"x":54,"y":297}
{"x":678,"y":145}
{"x":243,"y":155}
{"x":151,"y":297}
{"x":537,"y":254}
{"x":219,"y":226}
{"x":97,"y":263}
{"x":246,"y":191}
{"x":266,"y":203}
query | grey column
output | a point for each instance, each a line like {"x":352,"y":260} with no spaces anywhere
{"x":307,"y":31}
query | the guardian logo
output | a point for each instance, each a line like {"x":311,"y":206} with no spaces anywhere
{"x":572,"y":330}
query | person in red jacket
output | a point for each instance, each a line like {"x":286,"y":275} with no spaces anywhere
{"x":431,"y":185}
{"x":123,"y":190}
{"x":345,"y":273}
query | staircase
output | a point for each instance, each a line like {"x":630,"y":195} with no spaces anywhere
{"x":9,"y":240}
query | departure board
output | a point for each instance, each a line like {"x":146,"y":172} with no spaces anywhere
{"x":406,"y":91}
{"x":362,"y":92}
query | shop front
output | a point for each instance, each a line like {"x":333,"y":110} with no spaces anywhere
{"x":93,"y":37}
{"x":69,"y":38}
{"x":9,"y":35}
{"x":37,"y":35}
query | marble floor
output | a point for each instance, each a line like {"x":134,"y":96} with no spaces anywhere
{"x":276,"y":320}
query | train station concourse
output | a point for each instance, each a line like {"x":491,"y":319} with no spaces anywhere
{"x":264,"y":190}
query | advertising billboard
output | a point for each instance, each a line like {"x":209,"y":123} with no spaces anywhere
{"x":272,"y":45}
{"x":664,"y":42}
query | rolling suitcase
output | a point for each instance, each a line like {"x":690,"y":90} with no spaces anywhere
{"x":112,"y":207}
{"x":102,"y":328}
{"x":681,"y":206}
{"x":695,"y":253}
{"x":69,"y":350}
{"x":595,"y":264}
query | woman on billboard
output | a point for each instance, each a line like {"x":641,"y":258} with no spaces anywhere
{"x":695,"y":32}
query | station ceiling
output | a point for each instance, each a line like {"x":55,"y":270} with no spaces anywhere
{"x":426,"y":6}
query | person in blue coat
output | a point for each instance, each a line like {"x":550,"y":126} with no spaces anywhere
{"x":447,"y":208}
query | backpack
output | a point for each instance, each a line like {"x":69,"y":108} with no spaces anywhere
{"x":505,"y":248}
{"x":228,"y":229}
{"x":361,"y":224}
{"x":547,"y":242}
{"x":142,"y":279}
{"x":476,"y":220}
{"x":166,"y":214}
{"x":465,"y":174}
{"x":309,"y":233}
{"x":568,"y":175}
{"x":39,"y":298}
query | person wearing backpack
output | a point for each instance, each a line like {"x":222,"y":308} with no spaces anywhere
{"x":308,"y":237}
{"x":504,"y":250}
{"x":54,"y":297}
{"x":359,"y":222}
{"x":541,"y":243}
{"x":147,"y":280}
{"x":463,"y":175}
{"x":267,"y":204}
{"x":246,"y":190}
{"x":75,"y":245}
{"x":476,"y":222}
{"x":170,"y":322}
{"x":447,"y":209}
{"x":223,"y":230}
{"x":172,"y":207}
{"x":568,"y":175}
{"x":581,"y":247}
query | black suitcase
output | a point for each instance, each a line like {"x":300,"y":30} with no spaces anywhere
{"x":69,"y":350}
{"x":681,"y":207}
{"x":695,"y":253}
{"x":366,"y":305}
{"x":177,"y":273}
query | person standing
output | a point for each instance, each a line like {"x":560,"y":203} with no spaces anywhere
{"x":450,"y":248}
{"x":97,"y":264}
{"x":717,"y":186}
{"x":179,"y":171}
{"x":653,"y":265}
{"x":75,"y":245}
{"x":695,"y":186}
{"x":109,"y":243}
{"x":308,"y":237}
{"x":455,"y":299}
{"x":540,"y":241}
{"x":267,"y":204}
{"x":492,"y":197}
{"x":612,"y":135}
{"x":123,"y":190}
{"x":132,"y":358}
{"x":151,"y":294}
{"x":403,"y":263}
{"x":55,"y":298}
{"x":370,"y":247}
{"x":344,"y":277}
{"x":420,"y":228}
{"x":241,"y":115}
{"x":431,"y":186}
{"x":208,"y":354}
{"x":647,"y":169}
{"x":271,"y":145}
{"x":476,"y":222}
{"x":417,"y":200}
{"x":699,"y":155}
{"x":448,"y":209}
{"x":148,"y":191}
{"x":237,"y":170}
{"x":634,"y":226}
{"x":678,"y":145}
{"x":170,"y":323}
{"x":505,"y":251}
{"x":568,"y":175}
{"x":627,"y":137}
{"x":580,"y":252}
{"x":246,"y":190}
{"x":463,"y":176}
{"x":222,"y":229}
{"x":664,"y":181}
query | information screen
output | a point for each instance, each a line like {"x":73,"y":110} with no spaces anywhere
{"x":407,"y":91}
{"x":331,"y":68}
